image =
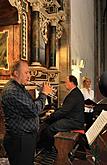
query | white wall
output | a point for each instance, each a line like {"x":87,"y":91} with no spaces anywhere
{"x":82,"y":35}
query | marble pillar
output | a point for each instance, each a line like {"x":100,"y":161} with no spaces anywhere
{"x":52,"y":55}
{"x":35,"y":37}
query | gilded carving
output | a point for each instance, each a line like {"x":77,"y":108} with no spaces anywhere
{"x":39,"y":73}
{"x":36,"y":4}
{"x":17,"y":4}
{"x":24,"y":31}
{"x":44,"y":22}
{"x":59,"y":31}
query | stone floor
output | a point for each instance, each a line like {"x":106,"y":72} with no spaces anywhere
{"x":45,"y":158}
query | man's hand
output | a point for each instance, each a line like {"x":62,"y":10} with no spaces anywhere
{"x":47,"y":89}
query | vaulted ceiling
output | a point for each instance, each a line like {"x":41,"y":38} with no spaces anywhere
{"x":8,"y":13}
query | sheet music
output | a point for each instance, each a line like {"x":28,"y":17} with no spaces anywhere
{"x":96,"y":127}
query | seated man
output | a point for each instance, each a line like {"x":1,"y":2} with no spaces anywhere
{"x":69,"y":117}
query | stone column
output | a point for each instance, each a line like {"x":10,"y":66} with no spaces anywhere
{"x":52,"y":55}
{"x":35,"y":54}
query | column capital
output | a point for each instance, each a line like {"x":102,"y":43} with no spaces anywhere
{"x":36,"y":4}
{"x":53,"y":19}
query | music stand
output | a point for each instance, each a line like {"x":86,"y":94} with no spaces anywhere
{"x":90,"y":139}
{"x":96,"y":127}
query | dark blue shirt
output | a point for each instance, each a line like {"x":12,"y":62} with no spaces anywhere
{"x":21,"y":111}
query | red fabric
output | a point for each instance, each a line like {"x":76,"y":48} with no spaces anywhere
{"x":79,"y":131}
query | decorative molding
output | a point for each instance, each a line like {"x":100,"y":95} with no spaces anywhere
{"x":59,"y":31}
{"x":24,"y":36}
{"x":44,"y":22}
{"x":53,"y":75}
{"x":24,"y":31}
{"x":17,"y":4}
{"x":24,"y":5}
{"x":51,"y":6}
{"x":39,"y":73}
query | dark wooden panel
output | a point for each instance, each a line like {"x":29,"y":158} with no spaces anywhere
{"x":8,"y":13}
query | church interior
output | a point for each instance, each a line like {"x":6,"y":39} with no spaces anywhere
{"x":56,"y":38}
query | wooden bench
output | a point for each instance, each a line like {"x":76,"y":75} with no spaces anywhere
{"x":64,"y":143}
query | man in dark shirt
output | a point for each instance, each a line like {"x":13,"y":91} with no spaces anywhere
{"x":69,"y":117}
{"x":21,"y":115}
